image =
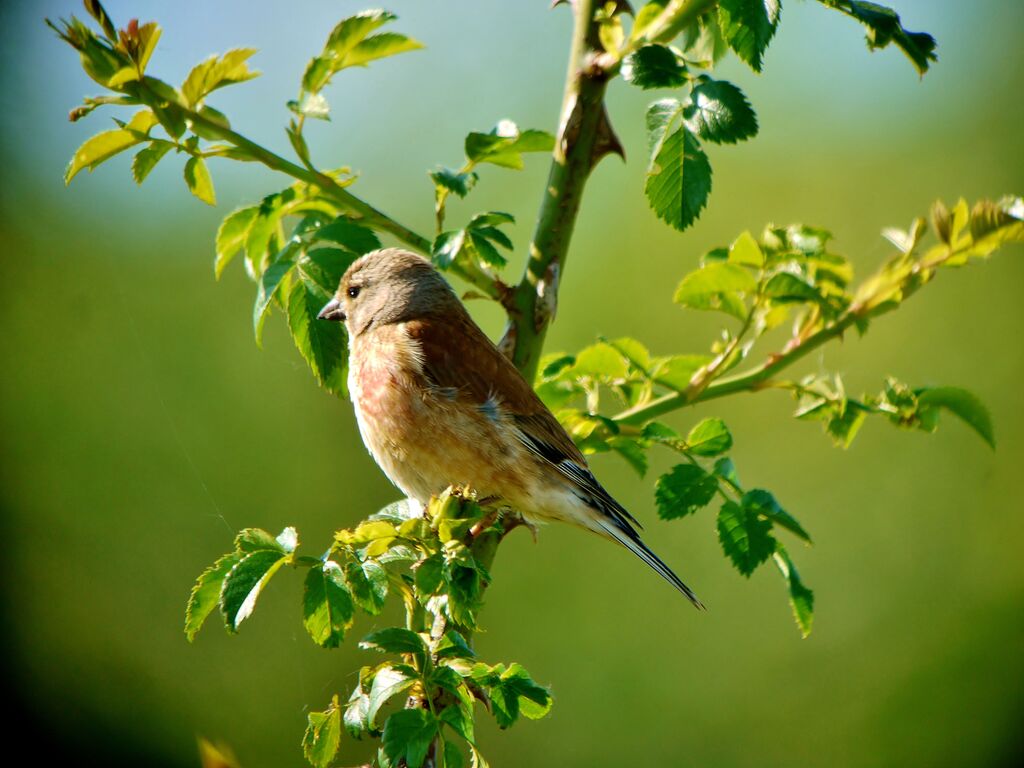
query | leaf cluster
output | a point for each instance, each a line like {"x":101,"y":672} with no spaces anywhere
{"x":433,"y":560}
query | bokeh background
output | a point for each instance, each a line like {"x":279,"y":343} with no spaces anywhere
{"x":140,"y":425}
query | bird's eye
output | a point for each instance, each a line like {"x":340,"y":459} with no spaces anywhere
{"x":353,"y":291}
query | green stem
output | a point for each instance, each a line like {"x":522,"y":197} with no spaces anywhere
{"x":334,"y":191}
{"x":750,"y":381}
{"x":578,"y":147}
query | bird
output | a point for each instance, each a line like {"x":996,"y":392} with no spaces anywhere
{"x":438,"y":405}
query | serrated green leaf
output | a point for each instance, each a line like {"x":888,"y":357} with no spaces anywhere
{"x":321,"y":343}
{"x":217,"y":72}
{"x":746,"y":251}
{"x":326,"y":266}
{"x":653,"y":66}
{"x":678,"y":174}
{"x":683,"y":490}
{"x":356,"y":716}
{"x":327,"y":608}
{"x":394,"y":640}
{"x":454,"y":181}
{"x":505,"y":144}
{"x":746,"y":539}
{"x":801,"y":598}
{"x":407,"y":737}
{"x":350,"y":44}
{"x":710,"y":437}
{"x":231,"y":236}
{"x":599,"y":361}
{"x":206,"y":593}
{"x":787,"y":287}
{"x":717,"y":286}
{"x":369,"y":584}
{"x":884,"y":27}
{"x":257,"y":539}
{"x":388,"y":682}
{"x":244,"y":582}
{"x":719,"y":112}
{"x":199,"y":181}
{"x":146,"y":159}
{"x":323,"y":735}
{"x":271,"y":280}
{"x":453,"y":757}
{"x":453,"y":645}
{"x":99,"y":149}
{"x":429,"y":575}
{"x":349,"y":235}
{"x":748,"y":27}
{"x":761,"y":502}
{"x":963,"y":404}
{"x":676,"y":372}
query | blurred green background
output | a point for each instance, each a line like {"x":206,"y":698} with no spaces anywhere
{"x":141,"y":425}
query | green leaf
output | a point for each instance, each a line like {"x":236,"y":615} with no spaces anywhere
{"x":683,"y":490}
{"x":676,"y":372}
{"x":504,"y":145}
{"x":429,"y":575}
{"x":217,"y":72}
{"x":395,"y":640}
{"x":350,"y":45}
{"x":206,"y":593}
{"x":407,"y":737}
{"x":717,"y":286}
{"x":454,"y":181}
{"x":801,"y":598}
{"x":326,"y":266}
{"x":256,"y":539}
{"x":963,"y":404}
{"x":349,"y":235}
{"x":512,"y":692}
{"x":599,"y":361}
{"x":786,"y":287}
{"x":746,"y":251}
{"x":231,"y":236}
{"x":199,"y":181}
{"x":709,"y":438}
{"x":884,"y":27}
{"x":244,"y":582}
{"x":369,"y":584}
{"x":719,"y":112}
{"x":653,"y":66}
{"x":760,"y":502}
{"x":323,"y":735}
{"x":746,"y":538}
{"x":147,"y":158}
{"x":356,"y":717}
{"x":271,"y":280}
{"x":389,"y":681}
{"x":678,"y":174}
{"x":452,"y":754}
{"x":320,"y":342}
{"x":748,"y":27}
{"x":327,"y":608}
{"x":453,"y":645}
{"x":99,"y":149}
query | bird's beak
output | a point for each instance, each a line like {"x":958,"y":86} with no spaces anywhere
{"x":332,"y":311}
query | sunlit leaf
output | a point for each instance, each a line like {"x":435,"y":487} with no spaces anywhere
{"x":323,"y":735}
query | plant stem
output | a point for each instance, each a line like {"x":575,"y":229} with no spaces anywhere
{"x":583,"y":137}
{"x":751,"y":381}
{"x":333,"y":190}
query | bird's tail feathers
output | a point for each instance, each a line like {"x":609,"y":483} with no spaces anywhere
{"x":625,"y":535}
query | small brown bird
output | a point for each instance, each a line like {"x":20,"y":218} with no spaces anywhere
{"x":439,"y":405}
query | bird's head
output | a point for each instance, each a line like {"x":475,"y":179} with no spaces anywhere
{"x":388,"y":286}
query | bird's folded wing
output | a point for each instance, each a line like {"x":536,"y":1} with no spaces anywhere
{"x":458,"y":358}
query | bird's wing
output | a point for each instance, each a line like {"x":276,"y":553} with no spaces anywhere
{"x":458,"y":358}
